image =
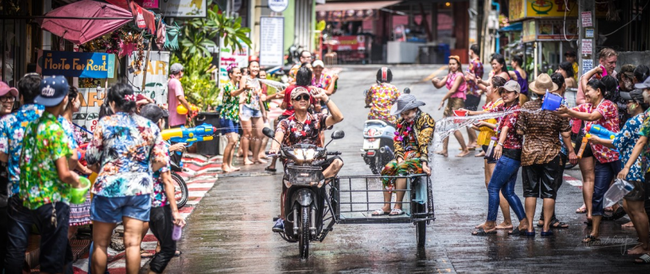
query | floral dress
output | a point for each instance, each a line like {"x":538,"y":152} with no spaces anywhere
{"x":381,"y":98}
{"x":412,"y":141}
{"x":230,"y":106}
{"x":625,"y":141}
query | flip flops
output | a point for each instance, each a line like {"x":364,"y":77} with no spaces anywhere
{"x":379,"y":212}
{"x":644,"y":259}
{"x":482,"y":232}
{"x":396,"y":212}
{"x":590,"y":239}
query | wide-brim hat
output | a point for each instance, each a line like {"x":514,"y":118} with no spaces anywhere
{"x":542,"y":84}
{"x":406,"y":102}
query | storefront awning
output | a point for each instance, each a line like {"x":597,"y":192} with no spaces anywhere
{"x":518,"y":26}
{"x":355,"y":6}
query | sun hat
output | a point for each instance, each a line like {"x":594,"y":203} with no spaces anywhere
{"x":53,"y":90}
{"x":406,"y":102}
{"x":297,"y":91}
{"x":542,"y":84}
{"x":4,"y":89}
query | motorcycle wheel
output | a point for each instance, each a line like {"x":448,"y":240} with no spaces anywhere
{"x":304,"y":233}
{"x":373,"y":166}
{"x":181,"y":192}
{"x":420,"y":227}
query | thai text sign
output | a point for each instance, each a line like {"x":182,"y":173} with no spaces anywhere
{"x":78,"y":64}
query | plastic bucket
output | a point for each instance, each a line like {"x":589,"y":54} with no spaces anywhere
{"x":78,"y":195}
{"x":460,"y":113}
{"x":552,"y":101}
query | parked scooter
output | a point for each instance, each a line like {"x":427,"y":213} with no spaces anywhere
{"x":305,"y":205}
{"x":378,"y":145}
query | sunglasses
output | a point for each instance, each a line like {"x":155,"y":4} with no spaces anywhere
{"x":302,"y":97}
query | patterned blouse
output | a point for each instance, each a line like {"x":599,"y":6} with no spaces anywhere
{"x":125,"y":145}
{"x":540,"y":131}
{"x":159,"y":196}
{"x":324,"y":82}
{"x":423,"y":127}
{"x":381,"y":98}
{"x":625,"y":141}
{"x":513,"y":140}
{"x":230,"y":105}
{"x":609,"y":120}
{"x":460,"y":92}
{"x":476,"y":68}
{"x":68,"y":127}
{"x":307,"y":132}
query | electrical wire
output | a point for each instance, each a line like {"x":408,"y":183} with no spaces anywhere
{"x":566,"y":5}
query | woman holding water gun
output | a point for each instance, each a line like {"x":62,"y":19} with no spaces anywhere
{"x":252,"y":115}
{"x":596,"y":177}
{"x":229,"y":116}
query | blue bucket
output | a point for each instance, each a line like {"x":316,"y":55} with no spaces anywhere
{"x":552,"y":101}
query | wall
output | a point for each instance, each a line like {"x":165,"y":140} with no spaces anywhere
{"x":633,"y":57}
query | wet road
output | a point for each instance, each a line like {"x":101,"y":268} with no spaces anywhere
{"x":230,"y":230}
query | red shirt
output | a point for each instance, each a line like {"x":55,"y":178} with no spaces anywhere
{"x":287,"y":99}
{"x":513,"y":140}
{"x":609,"y":111}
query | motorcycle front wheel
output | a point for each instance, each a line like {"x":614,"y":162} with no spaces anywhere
{"x":304,"y":232}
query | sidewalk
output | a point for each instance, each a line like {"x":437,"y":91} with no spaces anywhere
{"x":200,"y":177}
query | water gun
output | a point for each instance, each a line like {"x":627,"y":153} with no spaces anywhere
{"x":180,"y":109}
{"x":600,"y":131}
{"x":82,"y":151}
{"x":199,"y":133}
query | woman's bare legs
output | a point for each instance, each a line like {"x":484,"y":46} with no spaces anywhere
{"x":400,"y":183}
{"x":102,"y":233}
{"x":256,"y":144}
{"x":229,"y":152}
{"x":246,"y":140}
{"x":133,"y":229}
{"x":588,"y":177}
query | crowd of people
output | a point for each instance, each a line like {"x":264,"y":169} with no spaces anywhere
{"x":541,"y":141}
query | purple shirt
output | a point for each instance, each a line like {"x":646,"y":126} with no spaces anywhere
{"x":175,"y":89}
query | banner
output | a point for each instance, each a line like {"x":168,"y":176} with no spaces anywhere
{"x":347,"y":15}
{"x":348,"y":43}
{"x":157,"y":76}
{"x":76,"y":64}
{"x":184,"y":8}
{"x":227,"y":57}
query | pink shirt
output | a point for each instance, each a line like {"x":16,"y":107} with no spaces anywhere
{"x":175,"y":89}
{"x":460,"y":92}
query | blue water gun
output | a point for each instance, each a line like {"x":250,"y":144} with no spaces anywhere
{"x":204,"y":132}
{"x":601,"y":132}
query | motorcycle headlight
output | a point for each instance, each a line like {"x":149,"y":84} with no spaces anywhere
{"x":305,"y":154}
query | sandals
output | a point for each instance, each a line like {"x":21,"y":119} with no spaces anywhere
{"x":396,"y":212}
{"x":546,"y":233}
{"x":557,"y":224}
{"x":269,"y":169}
{"x":482,"y":232}
{"x":517,"y":232}
{"x":146,"y":254}
{"x":379,"y":212}
{"x":644,"y":259}
{"x":582,"y":209}
{"x":590,"y":239}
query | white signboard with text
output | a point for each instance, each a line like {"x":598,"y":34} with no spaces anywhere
{"x":227,"y":57}
{"x":157,"y":76}
{"x":184,"y":8}
{"x":271,"y":41}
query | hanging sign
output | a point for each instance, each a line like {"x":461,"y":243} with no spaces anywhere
{"x":271,"y":41}
{"x":76,"y":64}
{"x":139,"y":19}
{"x":157,"y":76}
{"x":278,"y":5}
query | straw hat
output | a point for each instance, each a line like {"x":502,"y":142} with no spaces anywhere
{"x":542,"y":84}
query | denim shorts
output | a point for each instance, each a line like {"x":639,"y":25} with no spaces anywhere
{"x":228,"y":126}
{"x":247,"y":113}
{"x":112,"y":209}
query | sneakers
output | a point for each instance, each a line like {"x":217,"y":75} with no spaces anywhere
{"x":278,"y":226}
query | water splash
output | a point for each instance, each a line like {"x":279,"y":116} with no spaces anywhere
{"x":275,"y":84}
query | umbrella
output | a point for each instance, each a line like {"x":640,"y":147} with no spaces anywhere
{"x":79,"y":25}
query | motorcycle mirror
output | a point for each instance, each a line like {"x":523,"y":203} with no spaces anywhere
{"x":268,"y":132}
{"x":339,"y":134}
{"x":407,"y":90}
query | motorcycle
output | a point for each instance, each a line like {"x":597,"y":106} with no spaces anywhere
{"x":307,"y":202}
{"x":181,"y":192}
{"x":378,"y":146}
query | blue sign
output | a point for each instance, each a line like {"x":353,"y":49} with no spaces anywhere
{"x":78,"y":64}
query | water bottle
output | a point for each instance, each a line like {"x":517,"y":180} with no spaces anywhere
{"x":176,"y":234}
{"x":616,"y":192}
{"x":493,"y":140}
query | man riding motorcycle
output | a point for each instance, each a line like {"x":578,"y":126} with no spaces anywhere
{"x":303,"y":127}
{"x":382,"y":96}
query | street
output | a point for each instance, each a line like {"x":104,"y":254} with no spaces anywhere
{"x":230,"y":229}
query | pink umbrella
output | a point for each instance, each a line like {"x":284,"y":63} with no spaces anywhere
{"x":78,"y":24}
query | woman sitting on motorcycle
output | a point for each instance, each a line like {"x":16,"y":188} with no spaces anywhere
{"x":303,"y":127}
{"x":412,"y":137}
{"x":382,"y":96}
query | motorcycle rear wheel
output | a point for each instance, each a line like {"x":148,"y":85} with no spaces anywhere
{"x":181,"y":193}
{"x":420,"y":227}
{"x":304,"y":232}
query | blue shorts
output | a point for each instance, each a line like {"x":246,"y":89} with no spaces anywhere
{"x":112,"y":209}
{"x":247,"y":113}
{"x":228,"y":126}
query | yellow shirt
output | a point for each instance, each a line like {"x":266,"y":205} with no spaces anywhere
{"x":486,"y":133}
{"x":575,"y":71}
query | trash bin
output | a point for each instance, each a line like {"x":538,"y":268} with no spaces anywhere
{"x":209,"y":148}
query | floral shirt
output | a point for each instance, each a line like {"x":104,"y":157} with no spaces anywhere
{"x":307,"y":132}
{"x":476,"y":68}
{"x":460,"y":92}
{"x":625,"y":141}
{"x":513,"y":140}
{"x":45,"y":142}
{"x":381,"y":98}
{"x":69,"y":131}
{"x":230,"y":106}
{"x":421,"y":128}
{"x":609,"y":120}
{"x":645,"y":131}
{"x":125,"y":145}
{"x":324,"y":82}
{"x":159,"y":196}
{"x":12,"y":131}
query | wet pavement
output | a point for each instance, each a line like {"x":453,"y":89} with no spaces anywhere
{"x":230,"y":230}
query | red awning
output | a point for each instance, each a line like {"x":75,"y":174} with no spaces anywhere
{"x":355,"y":5}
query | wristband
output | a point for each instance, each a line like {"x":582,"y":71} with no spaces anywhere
{"x":499,"y":143}
{"x":328,"y":100}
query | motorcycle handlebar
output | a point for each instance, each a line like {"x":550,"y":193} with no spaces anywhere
{"x":333,"y":153}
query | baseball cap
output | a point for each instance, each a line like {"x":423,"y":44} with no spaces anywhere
{"x":318,"y":63}
{"x":644,"y":85}
{"x":512,"y":86}
{"x":53,"y":90}
{"x":176,"y":68}
{"x":636,"y":95}
{"x":298,"y":91}
{"x":4,"y":89}
{"x":153,"y":112}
